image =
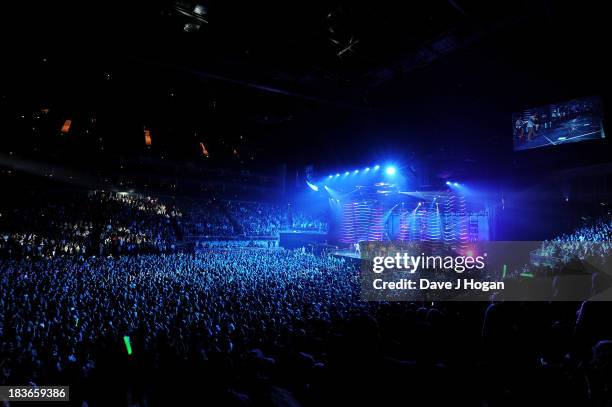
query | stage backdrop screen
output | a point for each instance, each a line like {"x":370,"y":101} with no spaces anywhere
{"x":551,"y":125}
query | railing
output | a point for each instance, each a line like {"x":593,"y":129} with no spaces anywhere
{"x":538,"y":259}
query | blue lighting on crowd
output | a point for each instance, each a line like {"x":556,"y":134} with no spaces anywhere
{"x":390,"y":170}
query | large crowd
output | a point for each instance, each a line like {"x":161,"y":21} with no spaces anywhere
{"x":257,"y":219}
{"x":592,"y":242}
{"x":253,"y":325}
{"x":103,"y":223}
{"x":208,"y":218}
{"x":250,"y":219}
{"x":204,"y":305}
{"x":258,"y":325}
{"x":97,"y":223}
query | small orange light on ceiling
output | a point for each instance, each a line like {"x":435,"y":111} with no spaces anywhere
{"x":147,"y":134}
{"x":66,"y":126}
{"x":204,"y":150}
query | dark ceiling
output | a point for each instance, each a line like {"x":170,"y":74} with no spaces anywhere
{"x":332,"y":83}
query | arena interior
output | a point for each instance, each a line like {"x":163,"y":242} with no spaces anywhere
{"x":190,"y":187}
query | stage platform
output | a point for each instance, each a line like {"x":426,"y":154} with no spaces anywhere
{"x":295,"y":239}
{"x":350,"y":256}
{"x":347,"y":253}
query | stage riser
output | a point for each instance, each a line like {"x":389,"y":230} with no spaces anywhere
{"x":290,"y":240}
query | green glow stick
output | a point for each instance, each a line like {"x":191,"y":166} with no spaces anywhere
{"x":527,"y":275}
{"x":128,"y":345}
{"x":504,"y":271}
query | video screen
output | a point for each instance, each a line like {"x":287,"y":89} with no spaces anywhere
{"x":568,"y":122}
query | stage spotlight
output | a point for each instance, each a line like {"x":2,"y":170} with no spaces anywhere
{"x":390,"y":170}
{"x":346,"y":173}
{"x":376,"y":167}
{"x":312,"y":186}
{"x":356,"y":172}
{"x":456,"y":184}
{"x":337,"y":175}
{"x":367,"y":169}
{"x":448,"y":183}
{"x":330,"y":176}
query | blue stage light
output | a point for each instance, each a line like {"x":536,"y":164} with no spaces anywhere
{"x":448,"y":182}
{"x":346,"y":173}
{"x":330,"y":176}
{"x":390,"y":170}
{"x":456,"y":184}
{"x":376,"y":167}
{"x":367,"y":169}
{"x":356,"y":172}
{"x":337,"y":175}
{"x":312,"y":186}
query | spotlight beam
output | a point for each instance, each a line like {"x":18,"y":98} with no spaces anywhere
{"x":312,"y":186}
